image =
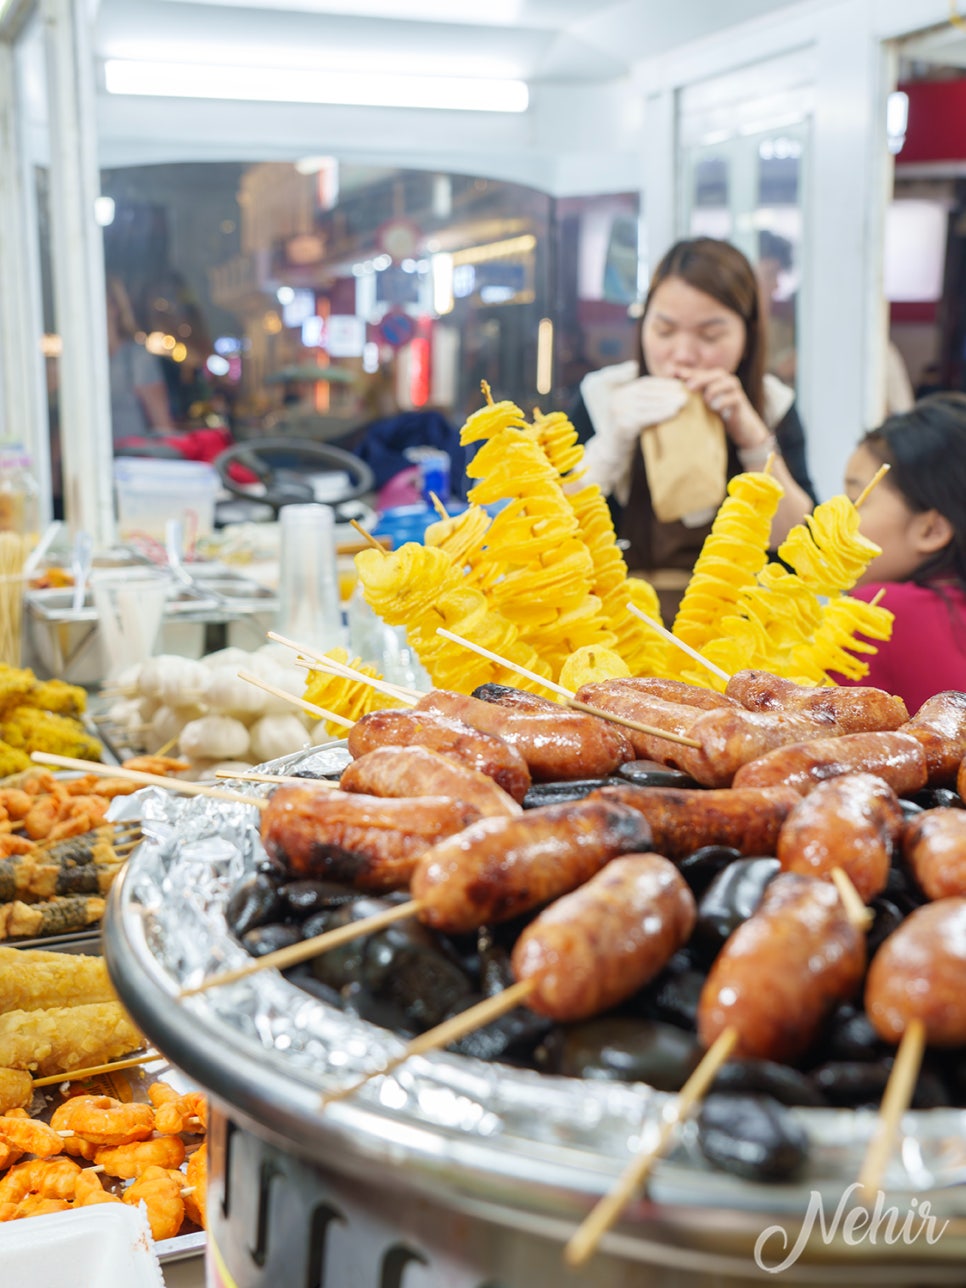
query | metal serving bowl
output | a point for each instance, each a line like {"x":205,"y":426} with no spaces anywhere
{"x":480,"y":1171}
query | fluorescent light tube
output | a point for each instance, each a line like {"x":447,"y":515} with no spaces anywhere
{"x":303,"y":85}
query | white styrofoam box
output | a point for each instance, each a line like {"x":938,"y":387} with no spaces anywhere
{"x":108,"y":1244}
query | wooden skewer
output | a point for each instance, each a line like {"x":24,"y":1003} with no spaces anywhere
{"x":673,"y":639}
{"x":168,"y":746}
{"x":502,"y":661}
{"x":442,"y":1035}
{"x":277,"y":780}
{"x":180,"y":785}
{"x":75,"y":1075}
{"x":438,"y":506}
{"x":584,"y":1241}
{"x":632,"y":724}
{"x":877,"y":597}
{"x":856,"y":910}
{"x":895,"y":1101}
{"x":369,"y":539}
{"x":350,"y":672}
{"x":320,"y":713}
{"x":876,"y":478}
{"x":282,"y":958}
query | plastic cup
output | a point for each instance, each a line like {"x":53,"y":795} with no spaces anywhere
{"x":130,"y":611}
{"x":309,"y":603}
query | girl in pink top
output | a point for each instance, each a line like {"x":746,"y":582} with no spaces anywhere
{"x":917,"y":514}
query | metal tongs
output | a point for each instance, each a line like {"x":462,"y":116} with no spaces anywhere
{"x":173,"y":545}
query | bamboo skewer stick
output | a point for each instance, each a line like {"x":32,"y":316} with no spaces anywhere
{"x":584,"y":1241}
{"x":895,"y":1101}
{"x":320,"y":713}
{"x":282,"y":958}
{"x":179,"y":785}
{"x":369,"y":539}
{"x":442,"y":1035}
{"x":75,"y":1075}
{"x":349,"y":672}
{"x":633,"y":724}
{"x":502,"y":661}
{"x":277,"y":780}
{"x":857,"y":912}
{"x":876,"y":478}
{"x":438,"y":506}
{"x":673,"y":639}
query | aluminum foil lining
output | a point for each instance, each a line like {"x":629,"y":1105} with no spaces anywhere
{"x":194,"y":852}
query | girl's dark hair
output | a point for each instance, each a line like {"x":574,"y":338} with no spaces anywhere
{"x":926,"y":451}
{"x":720,"y":270}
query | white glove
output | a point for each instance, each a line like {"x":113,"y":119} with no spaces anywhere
{"x":648,"y":400}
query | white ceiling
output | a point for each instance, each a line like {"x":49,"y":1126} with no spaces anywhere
{"x":583,"y":130}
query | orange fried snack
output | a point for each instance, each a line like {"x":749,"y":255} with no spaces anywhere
{"x":30,"y":1136}
{"x":51,"y":1178}
{"x":102,"y":1120}
{"x":88,"y":1190}
{"x":196,"y":1174}
{"x":160,"y":1192}
{"x":184,"y":1113}
{"x":130,"y":1161}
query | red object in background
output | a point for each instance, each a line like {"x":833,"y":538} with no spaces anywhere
{"x":936,"y":129}
{"x":419,"y":371}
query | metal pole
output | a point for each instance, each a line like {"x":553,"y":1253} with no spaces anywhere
{"x":78,"y":270}
{"x":23,"y":403}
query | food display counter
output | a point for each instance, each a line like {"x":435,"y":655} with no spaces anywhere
{"x":455,"y":1170}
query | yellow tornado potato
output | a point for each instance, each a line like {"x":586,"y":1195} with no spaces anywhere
{"x":589,"y":664}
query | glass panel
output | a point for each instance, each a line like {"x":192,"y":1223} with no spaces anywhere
{"x":273,"y":300}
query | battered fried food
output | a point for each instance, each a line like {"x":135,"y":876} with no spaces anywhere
{"x":130,"y":1161}
{"x":58,"y":916}
{"x":160,"y":1192}
{"x":196,"y":1174}
{"x":103,"y":1120}
{"x":16,"y":1089}
{"x":88,"y":1190}
{"x":73,"y":980}
{"x":30,"y":1135}
{"x":62,"y":1038}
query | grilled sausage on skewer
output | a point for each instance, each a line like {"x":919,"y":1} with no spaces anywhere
{"x":897,"y":758}
{"x":682,"y":820}
{"x":417,"y":771}
{"x":485,"y":752}
{"x":854,"y":710}
{"x":853,"y":822}
{"x":783,"y":971}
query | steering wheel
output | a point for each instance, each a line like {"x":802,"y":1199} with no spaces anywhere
{"x":284,"y":467}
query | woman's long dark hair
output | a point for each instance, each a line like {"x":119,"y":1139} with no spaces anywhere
{"x":925,"y":449}
{"x":720,"y":270}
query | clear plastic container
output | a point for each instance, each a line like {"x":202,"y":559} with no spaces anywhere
{"x":19,"y":493}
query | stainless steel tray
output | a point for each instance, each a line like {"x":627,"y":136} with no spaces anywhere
{"x":531,"y":1151}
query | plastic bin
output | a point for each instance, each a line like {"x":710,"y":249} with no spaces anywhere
{"x":150,"y":492}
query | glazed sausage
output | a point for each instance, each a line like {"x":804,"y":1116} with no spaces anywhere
{"x":934,"y":847}
{"x":783,"y":971}
{"x":652,"y":686}
{"x":675,"y":717}
{"x":505,"y":695}
{"x":853,"y":822}
{"x":555,"y":744}
{"x":940,"y":725}
{"x":854,"y":710}
{"x":596,"y":946}
{"x":683,"y":820}
{"x":897,"y":758}
{"x":500,"y":867}
{"x":485,"y":752}
{"x":918,"y":973}
{"x":731,"y":738}
{"x":417,"y":771}
{"x":370,"y":842}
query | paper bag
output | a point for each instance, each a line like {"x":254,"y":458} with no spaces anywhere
{"x":686,"y":459}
